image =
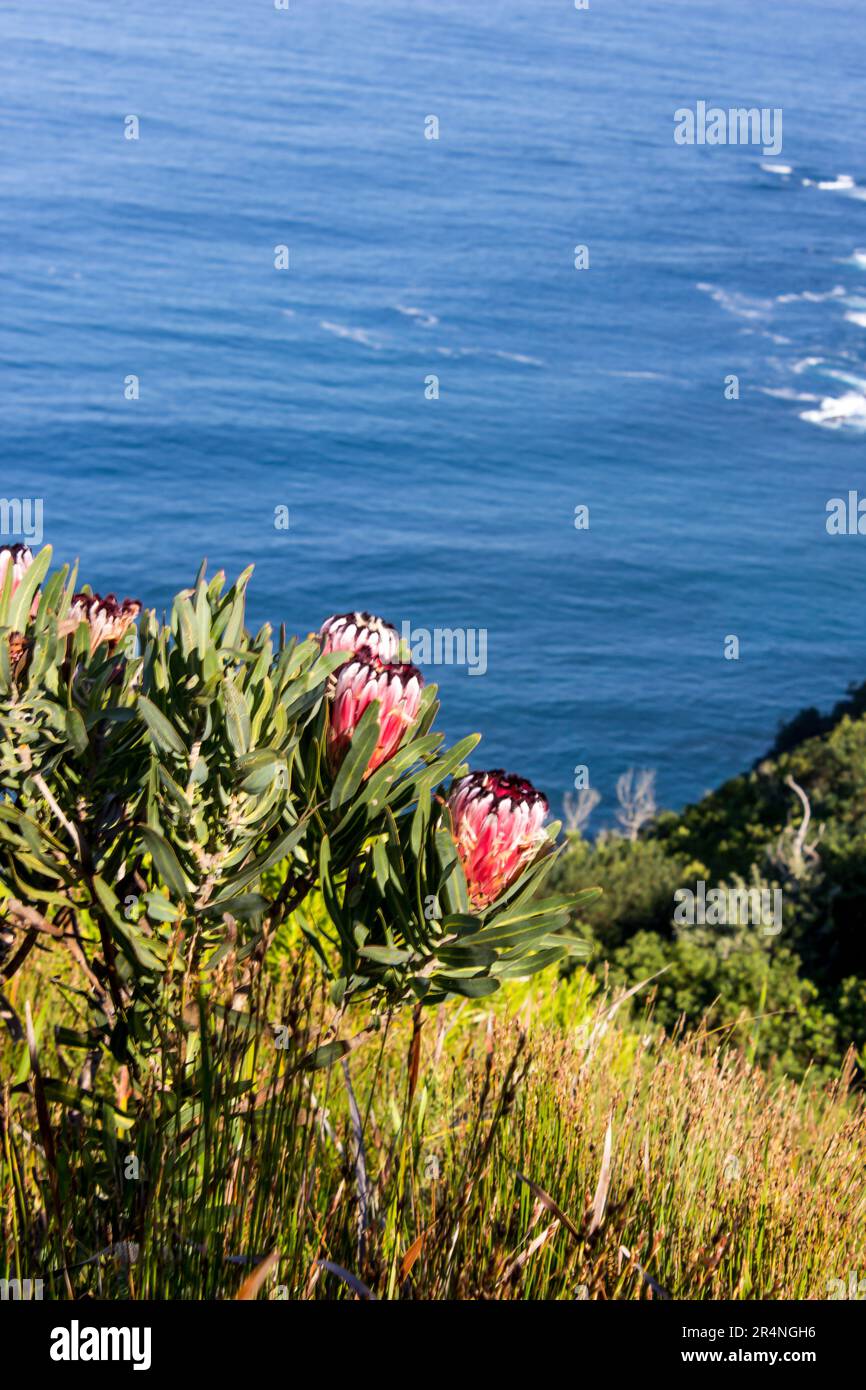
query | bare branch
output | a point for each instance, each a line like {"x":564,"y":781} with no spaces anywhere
{"x":578,"y":809}
{"x":635,"y":792}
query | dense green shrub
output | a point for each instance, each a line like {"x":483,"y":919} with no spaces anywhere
{"x":638,"y":878}
{"x":806,"y":985}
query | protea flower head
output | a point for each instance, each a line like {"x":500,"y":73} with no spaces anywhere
{"x":108,"y":619}
{"x":397,"y":687}
{"x":349,"y":632}
{"x":498,"y":822}
{"x":20,"y":558}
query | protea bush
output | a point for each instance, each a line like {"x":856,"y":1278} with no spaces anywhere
{"x":174,"y":792}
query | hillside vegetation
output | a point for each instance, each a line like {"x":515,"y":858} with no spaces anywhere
{"x":536,"y":1148}
{"x":793,"y":997}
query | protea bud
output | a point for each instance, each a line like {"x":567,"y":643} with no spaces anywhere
{"x":365,"y":678}
{"x":349,"y":632}
{"x":498,"y":822}
{"x":108,"y":619}
{"x":20,"y":557}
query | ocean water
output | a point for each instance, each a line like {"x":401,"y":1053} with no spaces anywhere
{"x":411,"y":257}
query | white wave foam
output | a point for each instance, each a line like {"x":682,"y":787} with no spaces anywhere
{"x":846,"y":378}
{"x":839,"y":412}
{"x":858,"y":258}
{"x":420,"y":315}
{"x":787,"y":393}
{"x":777,"y":168}
{"x":843,"y":183}
{"x":742,"y":306}
{"x":354,"y":335}
{"x":812,"y":296}
{"x":853,"y":317}
{"x":520,"y":357}
{"x":639,"y":376}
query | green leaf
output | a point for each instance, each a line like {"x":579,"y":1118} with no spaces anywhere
{"x":166,"y":862}
{"x":420,"y":822}
{"x":245,"y":905}
{"x":22,"y":600}
{"x":453,"y":892}
{"x":162,"y":731}
{"x":358,"y":756}
{"x":325,"y":1055}
{"x":514,"y":934}
{"x":85,"y":1101}
{"x":237,"y":717}
{"x":379,"y":785}
{"x":584,"y":897}
{"x":385,"y":955}
{"x":185,"y":624}
{"x":266,"y":861}
{"x":76,"y":732}
{"x":453,"y":759}
{"x":257,"y":771}
{"x":466,"y":953}
{"x":529,"y":965}
{"x":231,"y":634}
{"x":381,"y":862}
{"x":131,"y":941}
{"x":473,"y":987}
{"x":159,"y":908}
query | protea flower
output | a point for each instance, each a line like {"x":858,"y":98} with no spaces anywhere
{"x":498,"y":822}
{"x":349,"y":632}
{"x":396,"y":686}
{"x":20,"y":557}
{"x":108,"y":619}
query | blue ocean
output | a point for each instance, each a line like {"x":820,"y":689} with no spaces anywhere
{"x":423,"y":378}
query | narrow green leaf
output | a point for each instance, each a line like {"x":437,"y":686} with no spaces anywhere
{"x":166,"y":862}
{"x":76,"y":732}
{"x":473,"y":987}
{"x":385,"y":955}
{"x":163,"y":732}
{"x":358,"y":756}
{"x":22,"y":600}
{"x":237,"y":717}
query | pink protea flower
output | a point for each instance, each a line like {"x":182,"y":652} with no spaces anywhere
{"x":498,"y":822}
{"x":20,"y":557}
{"x":108,"y":619}
{"x":364,"y":678}
{"x":349,"y":632}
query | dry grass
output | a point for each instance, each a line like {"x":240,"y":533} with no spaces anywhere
{"x":538,"y":1149}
